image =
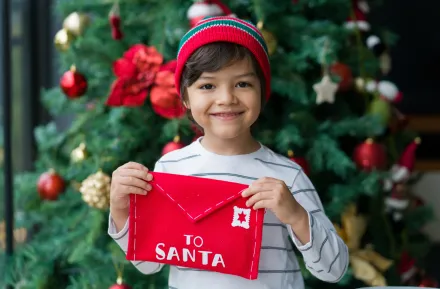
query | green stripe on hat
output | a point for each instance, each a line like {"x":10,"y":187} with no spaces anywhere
{"x":223,"y":22}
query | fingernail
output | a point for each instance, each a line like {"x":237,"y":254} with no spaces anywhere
{"x":148,"y":187}
{"x":149,"y":177}
{"x":145,"y":192}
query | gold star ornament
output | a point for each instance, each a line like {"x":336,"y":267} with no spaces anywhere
{"x":325,"y":90}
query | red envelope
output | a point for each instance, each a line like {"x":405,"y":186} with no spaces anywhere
{"x":196,"y":223}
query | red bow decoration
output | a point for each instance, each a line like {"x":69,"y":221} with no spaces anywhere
{"x":136,"y":72}
{"x":164,"y":98}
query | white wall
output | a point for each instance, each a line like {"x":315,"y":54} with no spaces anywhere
{"x":428,"y":188}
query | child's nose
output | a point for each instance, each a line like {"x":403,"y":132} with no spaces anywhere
{"x":226,"y":97}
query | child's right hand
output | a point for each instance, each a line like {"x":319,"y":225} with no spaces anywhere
{"x":130,"y":178}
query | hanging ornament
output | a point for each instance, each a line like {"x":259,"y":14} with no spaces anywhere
{"x":359,"y":84}
{"x":302,"y":162}
{"x":63,"y":39}
{"x":397,"y":202}
{"x":271,"y":41}
{"x":114,"y":19}
{"x":95,"y":190}
{"x":79,"y":154}
{"x":389,"y":91}
{"x":325,"y":90}
{"x":73,"y":83}
{"x":343,"y":72}
{"x":385,"y":62}
{"x":370,"y":155}
{"x":406,"y":267}
{"x":20,"y":235}
{"x":357,"y":19}
{"x":76,"y":23}
{"x":50,"y":185}
{"x":380,"y":109}
{"x":172,"y":146}
{"x":401,"y":171}
{"x":380,"y":50}
{"x":119,"y":267}
{"x":119,"y":285}
{"x":363,"y":85}
{"x":206,"y":8}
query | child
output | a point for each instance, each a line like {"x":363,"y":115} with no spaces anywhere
{"x":223,"y":73}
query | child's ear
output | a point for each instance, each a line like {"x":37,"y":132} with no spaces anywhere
{"x":186,"y":104}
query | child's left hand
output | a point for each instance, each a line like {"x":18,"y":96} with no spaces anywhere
{"x":273,"y":194}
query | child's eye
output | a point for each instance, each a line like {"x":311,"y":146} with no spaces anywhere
{"x":243,"y":84}
{"x":207,"y":86}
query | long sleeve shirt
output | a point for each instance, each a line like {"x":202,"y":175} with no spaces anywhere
{"x":325,"y":255}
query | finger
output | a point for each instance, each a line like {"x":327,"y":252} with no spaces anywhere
{"x":136,"y":173}
{"x":134,"y":182}
{"x":259,"y":187}
{"x":126,"y":189}
{"x":263,"y":204}
{"x":133,"y":165}
{"x":258,"y":197}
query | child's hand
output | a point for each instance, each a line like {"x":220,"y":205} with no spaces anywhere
{"x":273,"y":194}
{"x":130,"y":178}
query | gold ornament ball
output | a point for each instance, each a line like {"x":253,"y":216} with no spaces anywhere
{"x":360,"y":84}
{"x":95,"y":190}
{"x":79,"y":154}
{"x":269,"y":38}
{"x":63,"y":39}
{"x":76,"y":23}
{"x":271,"y":41}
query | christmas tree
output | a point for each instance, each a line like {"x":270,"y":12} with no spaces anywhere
{"x":332,"y":110}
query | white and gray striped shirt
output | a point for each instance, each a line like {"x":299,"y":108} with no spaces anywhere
{"x":326,"y":255}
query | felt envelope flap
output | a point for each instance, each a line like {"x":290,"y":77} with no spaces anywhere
{"x":197,"y":197}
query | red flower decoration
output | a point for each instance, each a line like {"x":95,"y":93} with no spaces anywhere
{"x":136,"y":72}
{"x":164,"y":98}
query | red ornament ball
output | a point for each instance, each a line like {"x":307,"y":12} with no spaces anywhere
{"x":370,"y":155}
{"x":172,"y":146}
{"x":120,"y":286}
{"x":73,"y":83}
{"x":50,"y":185}
{"x":302,"y":162}
{"x":343,"y":72}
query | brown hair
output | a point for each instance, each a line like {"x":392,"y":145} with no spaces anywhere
{"x":213,"y":57}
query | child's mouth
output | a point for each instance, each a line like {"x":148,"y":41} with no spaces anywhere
{"x":227,"y":115}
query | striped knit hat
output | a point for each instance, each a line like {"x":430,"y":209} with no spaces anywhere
{"x":224,"y":29}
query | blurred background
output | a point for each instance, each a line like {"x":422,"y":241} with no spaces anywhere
{"x":57,"y":123}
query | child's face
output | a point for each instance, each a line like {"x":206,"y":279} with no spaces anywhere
{"x":226,"y":102}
